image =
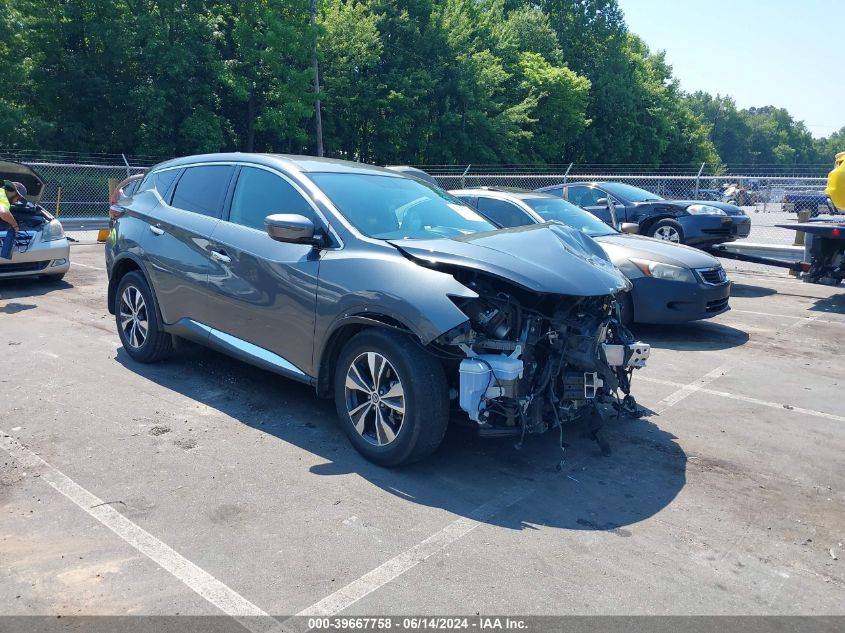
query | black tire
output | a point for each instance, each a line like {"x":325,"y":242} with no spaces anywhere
{"x":156,"y":344}
{"x":424,"y":400}
{"x":666,"y":227}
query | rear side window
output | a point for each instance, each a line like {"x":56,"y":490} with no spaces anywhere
{"x":260,"y":193}
{"x":201,"y":189}
{"x":157,"y":180}
{"x":503,"y":213}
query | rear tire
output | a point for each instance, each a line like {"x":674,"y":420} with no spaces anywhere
{"x":138,"y":323}
{"x":391,"y":396}
{"x":667,"y":230}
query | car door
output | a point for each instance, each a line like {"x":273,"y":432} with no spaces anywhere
{"x":502,"y":212}
{"x":176,"y":242}
{"x":264,"y":291}
{"x":587,"y":197}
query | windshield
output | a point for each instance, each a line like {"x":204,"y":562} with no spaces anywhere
{"x":390,"y":208}
{"x":556,"y":209}
{"x":627,"y":192}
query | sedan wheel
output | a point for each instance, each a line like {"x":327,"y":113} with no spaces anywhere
{"x":375,"y":398}
{"x":668,"y":230}
{"x":668,"y":233}
{"x":133,"y":317}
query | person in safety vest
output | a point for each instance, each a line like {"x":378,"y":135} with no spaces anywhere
{"x":8,"y":196}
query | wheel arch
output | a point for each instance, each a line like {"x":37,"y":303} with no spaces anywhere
{"x":119,"y":270}
{"x":650,"y":221}
{"x":340,"y":333}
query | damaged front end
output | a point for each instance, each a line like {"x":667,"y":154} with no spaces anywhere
{"x":531,"y":362}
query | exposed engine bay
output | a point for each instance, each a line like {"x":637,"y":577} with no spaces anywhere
{"x":30,"y":217}
{"x":533,"y":362}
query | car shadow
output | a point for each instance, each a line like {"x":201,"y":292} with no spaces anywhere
{"x":695,"y":336}
{"x":830,"y":305}
{"x":747,"y":291}
{"x":30,"y":287}
{"x":590,"y":492}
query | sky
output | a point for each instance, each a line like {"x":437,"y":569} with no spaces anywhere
{"x":785,"y":53}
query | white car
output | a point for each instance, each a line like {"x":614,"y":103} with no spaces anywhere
{"x":41,"y":248}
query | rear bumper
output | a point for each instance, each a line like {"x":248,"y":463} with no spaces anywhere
{"x":41,"y":258}
{"x":714,"y":229}
{"x":662,"y":301}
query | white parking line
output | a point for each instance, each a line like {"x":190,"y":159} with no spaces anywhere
{"x":687,"y":390}
{"x":227,"y":600}
{"x":749,"y":400}
{"x":85,"y":265}
{"x":410,"y":558}
{"x":769,"y":314}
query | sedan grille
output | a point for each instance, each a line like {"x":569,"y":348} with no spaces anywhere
{"x":713,"y":276}
{"x":28,"y":267}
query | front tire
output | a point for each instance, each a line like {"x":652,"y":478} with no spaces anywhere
{"x":391,"y":396}
{"x":668,"y":230}
{"x":138,"y":323}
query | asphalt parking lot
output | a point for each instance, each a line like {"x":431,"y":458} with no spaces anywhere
{"x":204,"y":486}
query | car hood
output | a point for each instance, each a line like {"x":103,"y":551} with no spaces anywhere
{"x":545,"y":258}
{"x":730,"y":209}
{"x":18,"y":172}
{"x":622,"y":247}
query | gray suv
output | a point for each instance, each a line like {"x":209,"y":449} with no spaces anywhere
{"x":382,"y":291}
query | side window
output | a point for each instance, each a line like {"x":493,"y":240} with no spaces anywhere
{"x":158,"y":180}
{"x":260,"y":193}
{"x":469,"y":200}
{"x":585,"y":196}
{"x":201,"y":189}
{"x":503,"y":213}
{"x":557,"y":191}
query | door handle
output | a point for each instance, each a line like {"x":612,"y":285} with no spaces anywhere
{"x":155,"y":230}
{"x":221,"y":257}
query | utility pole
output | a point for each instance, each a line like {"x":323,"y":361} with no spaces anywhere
{"x":317,"y":114}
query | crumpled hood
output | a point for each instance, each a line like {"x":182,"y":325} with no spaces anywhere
{"x":622,"y":247}
{"x":547,"y":258}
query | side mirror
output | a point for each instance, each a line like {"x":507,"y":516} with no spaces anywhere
{"x":601,"y":201}
{"x":630,"y":227}
{"x":292,"y":228}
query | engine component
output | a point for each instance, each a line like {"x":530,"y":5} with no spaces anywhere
{"x":614,"y":354}
{"x":488,"y":376}
{"x":639,"y":353}
{"x":533,"y":362}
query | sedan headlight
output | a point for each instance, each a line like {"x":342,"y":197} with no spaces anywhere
{"x":52,"y":231}
{"x":659,"y":270}
{"x":704,"y":209}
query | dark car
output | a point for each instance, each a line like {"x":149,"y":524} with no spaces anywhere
{"x":381,"y":291}
{"x":698,"y":223}
{"x":816,"y":202}
{"x":672,"y":283}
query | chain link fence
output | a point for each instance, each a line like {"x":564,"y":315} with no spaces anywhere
{"x":769,"y":199}
{"x":77,"y":188}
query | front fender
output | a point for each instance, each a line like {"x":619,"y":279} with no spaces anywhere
{"x":360,"y":283}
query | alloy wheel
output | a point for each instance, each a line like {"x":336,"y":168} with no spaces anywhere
{"x":375,"y":398}
{"x":133,"y":317}
{"x":667,"y":233}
